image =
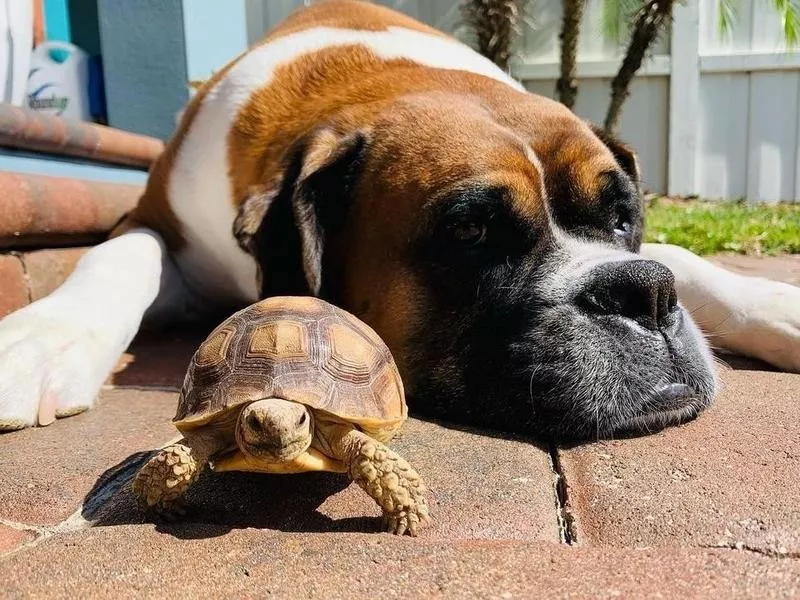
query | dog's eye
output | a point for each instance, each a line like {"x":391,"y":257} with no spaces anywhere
{"x":468,"y":233}
{"x":623,"y":227}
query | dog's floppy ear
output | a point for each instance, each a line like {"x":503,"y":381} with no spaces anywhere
{"x":624,"y":154}
{"x":251,"y":214}
{"x":285,"y":223}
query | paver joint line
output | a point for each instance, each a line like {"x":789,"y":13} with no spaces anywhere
{"x":20,"y":526}
{"x":742,"y":547}
{"x":567,"y":529}
{"x":25,"y":274}
{"x":74,"y":522}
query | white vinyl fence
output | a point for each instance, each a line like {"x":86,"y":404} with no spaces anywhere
{"x":711,"y":115}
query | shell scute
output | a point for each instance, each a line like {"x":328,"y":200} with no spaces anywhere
{"x":351,"y":358}
{"x":215,"y":349}
{"x":282,"y":340}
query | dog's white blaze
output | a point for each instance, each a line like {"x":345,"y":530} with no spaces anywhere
{"x":585,"y":255}
{"x":199,"y":186}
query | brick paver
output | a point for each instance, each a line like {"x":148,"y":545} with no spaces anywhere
{"x":48,"y":269}
{"x":12,"y":538}
{"x":783,"y":268}
{"x":729,"y":478}
{"x":45,"y":473}
{"x":213,"y":562}
{"x":43,"y":211}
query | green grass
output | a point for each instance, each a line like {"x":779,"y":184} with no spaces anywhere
{"x":730,"y":227}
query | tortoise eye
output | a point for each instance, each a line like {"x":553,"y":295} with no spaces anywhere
{"x":468,"y":233}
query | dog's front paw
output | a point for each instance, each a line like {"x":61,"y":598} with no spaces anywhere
{"x":765,"y":322}
{"x":50,"y":366}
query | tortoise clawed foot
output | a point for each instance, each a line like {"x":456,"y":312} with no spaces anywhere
{"x":164,"y":479}
{"x":408,"y":522}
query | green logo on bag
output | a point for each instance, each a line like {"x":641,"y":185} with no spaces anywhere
{"x":57,"y":103}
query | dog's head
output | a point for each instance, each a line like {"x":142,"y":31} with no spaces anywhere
{"x":490,"y":239}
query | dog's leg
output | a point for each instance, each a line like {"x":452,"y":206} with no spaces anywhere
{"x":750,"y":316}
{"x":56,"y":353}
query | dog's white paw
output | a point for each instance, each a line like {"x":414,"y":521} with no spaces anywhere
{"x":765,"y":322}
{"x":50,"y":366}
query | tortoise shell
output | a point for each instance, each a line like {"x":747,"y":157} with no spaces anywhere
{"x":300,"y":349}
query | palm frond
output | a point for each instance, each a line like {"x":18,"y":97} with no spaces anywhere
{"x":727,"y":16}
{"x":618,"y":14}
{"x":611,"y":20}
{"x":789,"y":13}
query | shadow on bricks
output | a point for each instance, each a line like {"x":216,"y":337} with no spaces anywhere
{"x":221,"y":502}
{"x":482,"y":484}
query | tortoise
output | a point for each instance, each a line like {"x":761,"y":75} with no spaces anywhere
{"x":290,"y":385}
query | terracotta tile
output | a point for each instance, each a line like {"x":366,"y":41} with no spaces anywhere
{"x":481,"y":487}
{"x":42,"y":211}
{"x":32,"y":130}
{"x":728,"y":478}
{"x":139,"y":561}
{"x":11,"y":538}
{"x":13,"y":286}
{"x":48,"y":269}
{"x":45,"y":473}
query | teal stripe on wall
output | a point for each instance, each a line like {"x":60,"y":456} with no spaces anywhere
{"x":56,"y":20}
{"x":42,"y":164}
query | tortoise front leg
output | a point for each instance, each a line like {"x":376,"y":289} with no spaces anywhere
{"x":387,"y":478}
{"x":164,"y":479}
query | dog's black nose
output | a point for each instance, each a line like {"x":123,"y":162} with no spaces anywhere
{"x":641,"y":290}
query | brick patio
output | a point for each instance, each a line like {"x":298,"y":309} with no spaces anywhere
{"x":709,"y":509}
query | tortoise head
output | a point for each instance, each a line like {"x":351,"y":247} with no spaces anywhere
{"x":274,"y":430}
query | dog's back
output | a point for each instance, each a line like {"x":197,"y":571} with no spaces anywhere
{"x":236,"y":130}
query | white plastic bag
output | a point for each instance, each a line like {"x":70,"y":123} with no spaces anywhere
{"x":16,"y":41}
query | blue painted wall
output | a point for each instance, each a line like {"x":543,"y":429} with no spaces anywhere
{"x":36,"y":163}
{"x":144,"y":62}
{"x":153,"y":48}
{"x":215,"y":32}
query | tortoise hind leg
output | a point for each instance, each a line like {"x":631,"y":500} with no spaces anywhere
{"x":162,"y":482}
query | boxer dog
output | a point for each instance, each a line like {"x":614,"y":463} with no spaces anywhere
{"x":490,"y":236}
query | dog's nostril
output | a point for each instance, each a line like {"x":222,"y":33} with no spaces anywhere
{"x":641,"y":305}
{"x":640,"y":290}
